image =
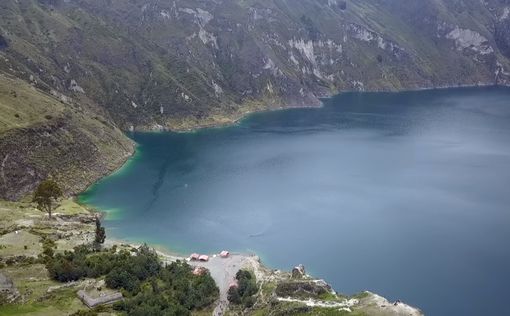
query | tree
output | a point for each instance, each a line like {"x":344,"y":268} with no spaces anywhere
{"x":245,"y":289}
{"x":46,"y":193}
{"x":100,"y":233}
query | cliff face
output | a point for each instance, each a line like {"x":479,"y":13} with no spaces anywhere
{"x":178,"y":64}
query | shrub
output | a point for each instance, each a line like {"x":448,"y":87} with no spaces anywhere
{"x":245,"y":290}
{"x":119,"y":278}
{"x":151,"y":288}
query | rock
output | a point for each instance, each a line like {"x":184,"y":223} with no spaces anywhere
{"x":7,"y":288}
{"x":298,"y":272}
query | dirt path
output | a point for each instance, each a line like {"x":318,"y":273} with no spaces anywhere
{"x":223,"y":271}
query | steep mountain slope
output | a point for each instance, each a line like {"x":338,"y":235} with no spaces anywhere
{"x":41,"y":136}
{"x":153,"y":64}
{"x":181,"y":64}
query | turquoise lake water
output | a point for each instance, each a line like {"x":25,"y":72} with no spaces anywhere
{"x":404,"y":194}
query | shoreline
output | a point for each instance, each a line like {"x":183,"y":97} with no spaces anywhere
{"x":73,"y":225}
{"x":164,"y":250}
{"x":237,"y":118}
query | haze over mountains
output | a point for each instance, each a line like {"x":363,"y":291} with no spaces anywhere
{"x":112,"y":65}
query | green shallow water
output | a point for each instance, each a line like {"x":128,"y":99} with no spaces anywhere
{"x":405,"y":194}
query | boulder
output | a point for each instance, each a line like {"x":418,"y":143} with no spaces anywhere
{"x":298,"y":272}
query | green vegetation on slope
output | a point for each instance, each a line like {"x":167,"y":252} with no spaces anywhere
{"x":17,"y":106}
{"x":150,"y":288}
{"x":42,"y":136}
{"x":36,"y":255}
{"x":242,"y":293}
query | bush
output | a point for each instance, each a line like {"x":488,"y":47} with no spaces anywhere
{"x":48,"y":248}
{"x":66,"y":267}
{"x":245,"y":290}
{"x":119,"y":278}
{"x":151,"y":289}
{"x":174,"y":291}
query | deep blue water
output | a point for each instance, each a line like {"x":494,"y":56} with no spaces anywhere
{"x":404,"y":194}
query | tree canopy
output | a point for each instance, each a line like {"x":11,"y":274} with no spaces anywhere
{"x":100,"y":233}
{"x":149,"y":287}
{"x":46,"y":193}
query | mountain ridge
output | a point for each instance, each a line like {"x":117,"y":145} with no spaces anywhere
{"x":153,"y":63}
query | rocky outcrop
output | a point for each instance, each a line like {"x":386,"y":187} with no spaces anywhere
{"x":298,"y":272}
{"x":66,"y":149}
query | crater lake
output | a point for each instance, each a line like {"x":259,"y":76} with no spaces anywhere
{"x":403,"y":194}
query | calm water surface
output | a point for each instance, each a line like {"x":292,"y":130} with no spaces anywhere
{"x":404,"y":194}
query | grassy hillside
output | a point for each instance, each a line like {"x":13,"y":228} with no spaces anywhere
{"x":17,"y":109}
{"x":42,"y":136}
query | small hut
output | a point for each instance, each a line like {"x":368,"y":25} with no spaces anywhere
{"x":194,"y":256}
{"x":92,"y":300}
{"x":224,"y":254}
{"x":203,"y":258}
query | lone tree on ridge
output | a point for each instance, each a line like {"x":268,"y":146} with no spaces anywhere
{"x":46,"y":193}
